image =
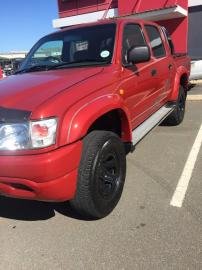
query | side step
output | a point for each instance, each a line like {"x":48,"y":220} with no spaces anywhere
{"x":142,"y":130}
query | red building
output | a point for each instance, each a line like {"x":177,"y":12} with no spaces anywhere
{"x":173,"y":14}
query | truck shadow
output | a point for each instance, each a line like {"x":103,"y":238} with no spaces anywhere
{"x":25,"y":210}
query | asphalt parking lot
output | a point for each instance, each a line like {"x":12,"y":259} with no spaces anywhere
{"x":144,"y":232}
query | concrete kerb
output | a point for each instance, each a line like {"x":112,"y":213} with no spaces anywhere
{"x":196,"y":81}
{"x":196,"y":97}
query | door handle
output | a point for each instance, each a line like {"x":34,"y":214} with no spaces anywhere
{"x":170,"y":66}
{"x":154,"y":72}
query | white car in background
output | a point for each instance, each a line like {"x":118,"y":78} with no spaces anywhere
{"x":196,"y":70}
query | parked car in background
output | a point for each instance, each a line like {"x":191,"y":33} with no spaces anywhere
{"x":9,"y":66}
{"x":196,"y":70}
{"x":195,"y":39}
{"x":83,"y":98}
{"x":1,"y":73}
{"x":8,"y":69}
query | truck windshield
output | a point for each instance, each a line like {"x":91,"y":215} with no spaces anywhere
{"x":85,"y":46}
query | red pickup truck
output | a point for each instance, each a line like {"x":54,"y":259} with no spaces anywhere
{"x":80,"y":102}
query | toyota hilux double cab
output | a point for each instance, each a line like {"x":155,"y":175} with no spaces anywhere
{"x":83,"y":98}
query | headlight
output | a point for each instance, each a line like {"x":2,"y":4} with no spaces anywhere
{"x":14,"y":136}
{"x":29,"y":135}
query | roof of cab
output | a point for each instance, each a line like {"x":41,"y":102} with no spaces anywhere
{"x":116,"y":20}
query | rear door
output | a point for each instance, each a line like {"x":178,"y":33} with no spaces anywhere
{"x":163,"y":67}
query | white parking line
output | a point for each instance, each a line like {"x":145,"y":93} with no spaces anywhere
{"x":181,"y":189}
{"x":194,"y":97}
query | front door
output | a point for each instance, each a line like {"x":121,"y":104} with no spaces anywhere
{"x":139,"y":80}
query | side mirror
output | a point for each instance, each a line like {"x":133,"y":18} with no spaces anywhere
{"x":138,"y":55}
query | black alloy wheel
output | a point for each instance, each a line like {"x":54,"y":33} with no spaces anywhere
{"x":101,"y":176}
{"x":177,"y":116}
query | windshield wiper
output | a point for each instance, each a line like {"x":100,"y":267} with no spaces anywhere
{"x":66,"y":64}
{"x":83,"y":62}
{"x":32,"y":69}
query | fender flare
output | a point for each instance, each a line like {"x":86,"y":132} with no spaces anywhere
{"x":180,"y":72}
{"x":79,"y":118}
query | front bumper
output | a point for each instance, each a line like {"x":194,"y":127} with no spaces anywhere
{"x":49,"y":177}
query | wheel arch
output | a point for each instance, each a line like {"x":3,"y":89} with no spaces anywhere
{"x":181,"y":79}
{"x":107,"y":110}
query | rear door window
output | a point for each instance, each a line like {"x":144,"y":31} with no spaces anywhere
{"x":169,"y":40}
{"x":155,"y":41}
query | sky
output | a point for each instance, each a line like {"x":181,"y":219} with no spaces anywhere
{"x":23,"y":22}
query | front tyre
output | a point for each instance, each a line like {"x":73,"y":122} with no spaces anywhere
{"x":101,"y":174}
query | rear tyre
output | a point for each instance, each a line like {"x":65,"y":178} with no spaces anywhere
{"x":101,"y":174}
{"x":177,"y":116}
